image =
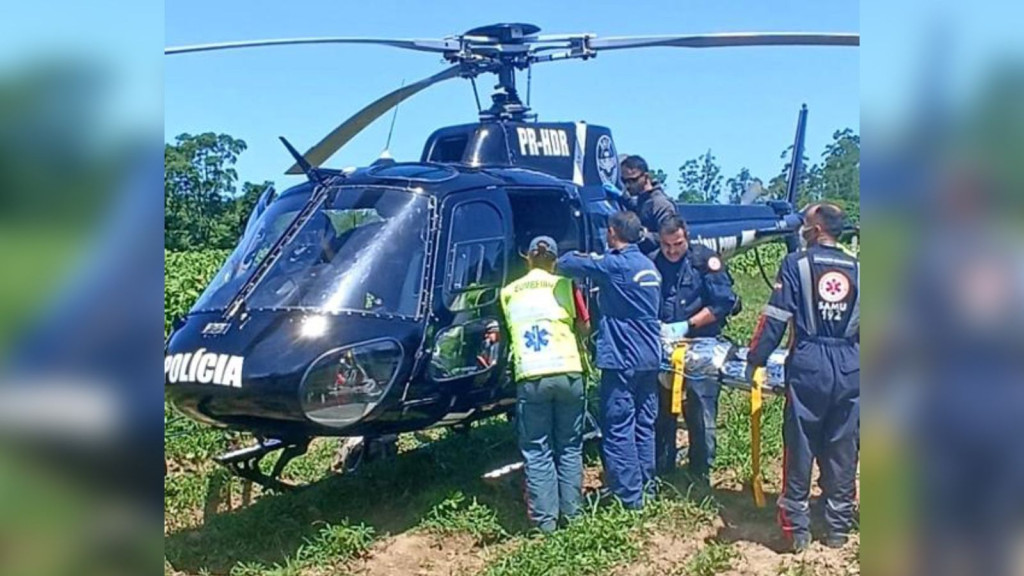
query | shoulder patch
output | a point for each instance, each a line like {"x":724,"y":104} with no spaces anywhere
{"x":714,"y":263}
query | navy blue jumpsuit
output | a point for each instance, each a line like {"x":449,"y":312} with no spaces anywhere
{"x":628,"y":354}
{"x":700,"y":279}
{"x":818,"y":290}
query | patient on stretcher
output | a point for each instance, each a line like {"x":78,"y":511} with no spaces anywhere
{"x":722,"y":360}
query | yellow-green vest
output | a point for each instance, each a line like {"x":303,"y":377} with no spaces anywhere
{"x":539,"y":312}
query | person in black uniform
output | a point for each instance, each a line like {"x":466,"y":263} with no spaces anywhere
{"x":646,"y":199}
{"x":696,"y":289}
{"x":818,"y":291}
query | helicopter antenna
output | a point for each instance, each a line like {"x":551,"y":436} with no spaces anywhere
{"x":529,"y":83}
{"x":311,"y":173}
{"x":476,"y":95}
{"x":394,"y":116}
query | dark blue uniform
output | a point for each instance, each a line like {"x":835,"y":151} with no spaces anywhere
{"x":818,"y":291}
{"x":628,"y":354}
{"x":700,"y":279}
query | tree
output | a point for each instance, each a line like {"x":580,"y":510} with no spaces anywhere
{"x":242,"y":206}
{"x":738,"y":185}
{"x":838,"y":177}
{"x":658,"y":176}
{"x":700,"y":180}
{"x":777,"y":185}
{"x":199,"y":189}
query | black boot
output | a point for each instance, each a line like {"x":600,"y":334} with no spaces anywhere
{"x":836,"y":541}
{"x":801,"y":542}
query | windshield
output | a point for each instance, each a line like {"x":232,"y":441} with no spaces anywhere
{"x":261,"y":232}
{"x":363,"y":250}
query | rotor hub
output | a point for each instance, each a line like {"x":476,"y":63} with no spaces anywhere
{"x":515,"y":33}
{"x":504,"y":48}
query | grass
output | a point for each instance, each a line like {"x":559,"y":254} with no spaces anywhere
{"x":335,"y":542}
{"x":591,"y":544}
{"x":715,"y":557}
{"x":733,"y":452}
{"x":390,"y":497}
{"x":456,"y":515}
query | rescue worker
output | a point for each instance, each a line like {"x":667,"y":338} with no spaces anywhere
{"x":540,"y":309}
{"x":647,"y":199}
{"x":628,"y":354}
{"x":696,"y":290}
{"x":818,"y":292}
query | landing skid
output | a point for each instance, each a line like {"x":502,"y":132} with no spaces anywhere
{"x":245,"y":462}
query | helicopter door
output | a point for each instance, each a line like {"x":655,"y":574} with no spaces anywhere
{"x":468,"y":352}
{"x":544,"y":212}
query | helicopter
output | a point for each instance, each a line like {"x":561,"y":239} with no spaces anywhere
{"x":363,"y":303}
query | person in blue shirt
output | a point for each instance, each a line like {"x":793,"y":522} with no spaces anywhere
{"x":628,"y":354}
{"x":696,"y":290}
{"x":817,"y":292}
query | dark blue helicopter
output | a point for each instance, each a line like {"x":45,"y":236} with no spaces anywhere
{"x":364,"y":303}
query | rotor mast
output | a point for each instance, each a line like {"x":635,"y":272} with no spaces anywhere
{"x":502,"y":48}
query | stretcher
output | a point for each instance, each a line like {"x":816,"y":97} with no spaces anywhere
{"x":725,"y":362}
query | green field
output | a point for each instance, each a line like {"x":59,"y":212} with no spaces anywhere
{"x":433,"y":491}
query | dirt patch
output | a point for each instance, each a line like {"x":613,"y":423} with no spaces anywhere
{"x":665,"y":552}
{"x":418,"y":554}
{"x":761,"y":549}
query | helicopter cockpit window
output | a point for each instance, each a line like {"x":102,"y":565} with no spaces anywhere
{"x":476,"y":262}
{"x":449,"y":149}
{"x":466,"y":349}
{"x":349,"y":254}
{"x":262,"y":231}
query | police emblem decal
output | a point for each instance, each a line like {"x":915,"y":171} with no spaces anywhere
{"x":607,"y":163}
{"x":833,"y":286}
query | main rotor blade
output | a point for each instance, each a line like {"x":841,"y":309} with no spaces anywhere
{"x":333,"y":142}
{"x":409,"y":44}
{"x":725,"y":40}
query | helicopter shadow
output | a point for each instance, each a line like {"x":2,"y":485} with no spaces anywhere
{"x":392,"y":496}
{"x":740,"y":520}
{"x":744,"y":521}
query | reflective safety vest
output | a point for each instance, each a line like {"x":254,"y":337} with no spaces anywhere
{"x":539,"y":311}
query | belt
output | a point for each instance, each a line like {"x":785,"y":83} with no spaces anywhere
{"x":831,"y":341}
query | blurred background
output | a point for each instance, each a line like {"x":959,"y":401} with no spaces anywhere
{"x":80,"y":287}
{"x":942,"y":116}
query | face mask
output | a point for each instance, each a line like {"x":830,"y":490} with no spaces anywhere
{"x":803,"y":233}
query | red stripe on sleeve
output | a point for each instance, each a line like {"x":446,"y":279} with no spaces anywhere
{"x":581,"y":305}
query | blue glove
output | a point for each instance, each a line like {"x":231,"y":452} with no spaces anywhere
{"x":675,"y":331}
